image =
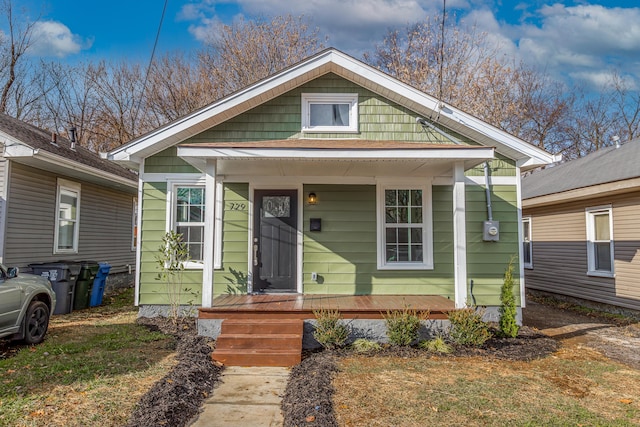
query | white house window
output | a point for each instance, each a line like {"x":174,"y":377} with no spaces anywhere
{"x":600,"y":241}
{"x":527,"y":249}
{"x":189,"y":219}
{"x":330,"y":112}
{"x":405,"y":238}
{"x":67,"y":217}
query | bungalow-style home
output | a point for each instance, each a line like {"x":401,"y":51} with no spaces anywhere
{"x":330,"y":179}
{"x":581,"y":223}
{"x":61,"y":202}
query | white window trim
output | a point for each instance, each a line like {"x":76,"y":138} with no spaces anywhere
{"x":330,"y":98}
{"x":527,"y":220}
{"x":74,"y":187}
{"x":427,"y":226}
{"x":171,"y":211}
{"x":590,"y":214}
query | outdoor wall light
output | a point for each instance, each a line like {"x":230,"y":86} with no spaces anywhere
{"x":312,"y":199}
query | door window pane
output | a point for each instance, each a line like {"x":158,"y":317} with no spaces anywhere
{"x":276,"y":206}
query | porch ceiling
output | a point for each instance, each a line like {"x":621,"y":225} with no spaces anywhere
{"x":333,"y":158}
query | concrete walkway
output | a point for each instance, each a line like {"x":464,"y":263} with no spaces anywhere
{"x":245,"y":397}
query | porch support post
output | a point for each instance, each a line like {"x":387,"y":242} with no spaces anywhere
{"x":209,"y":230}
{"x":459,"y":236}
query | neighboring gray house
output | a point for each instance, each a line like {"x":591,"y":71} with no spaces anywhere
{"x":581,"y":228}
{"x":60,"y":201}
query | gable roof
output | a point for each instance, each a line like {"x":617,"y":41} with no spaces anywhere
{"x":607,"y":165}
{"x":330,"y":61}
{"x":31,"y":145}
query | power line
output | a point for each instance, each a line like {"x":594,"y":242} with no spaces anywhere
{"x":153,"y":52}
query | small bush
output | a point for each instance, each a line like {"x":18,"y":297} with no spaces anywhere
{"x":403,"y":325}
{"x":362,"y":345}
{"x":508,"y":324}
{"x":436,"y":345}
{"x":330,"y":332}
{"x":467,"y":327}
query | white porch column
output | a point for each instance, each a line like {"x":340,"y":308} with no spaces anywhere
{"x":459,"y":236}
{"x":209,"y":231}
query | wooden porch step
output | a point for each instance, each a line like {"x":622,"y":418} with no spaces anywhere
{"x":259,"y":342}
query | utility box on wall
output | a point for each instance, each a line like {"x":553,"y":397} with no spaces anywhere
{"x":491,"y":231}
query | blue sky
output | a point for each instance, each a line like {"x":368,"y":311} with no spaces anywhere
{"x":575,"y":40}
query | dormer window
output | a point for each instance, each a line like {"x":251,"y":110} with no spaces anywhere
{"x":329,"y":112}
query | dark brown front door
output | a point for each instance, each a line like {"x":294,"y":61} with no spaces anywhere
{"x":275,"y":240}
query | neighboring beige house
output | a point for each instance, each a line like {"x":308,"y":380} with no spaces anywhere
{"x":60,"y":201}
{"x":581,"y":227}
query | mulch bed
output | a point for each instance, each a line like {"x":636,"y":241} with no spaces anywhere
{"x":176,"y":399}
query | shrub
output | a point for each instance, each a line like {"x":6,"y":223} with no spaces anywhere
{"x":508,"y":324}
{"x":436,"y":345}
{"x":330,"y":332}
{"x":403,"y":325}
{"x":362,"y":345}
{"x":467,"y":327}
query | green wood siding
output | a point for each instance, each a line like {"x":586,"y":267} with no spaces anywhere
{"x":501,"y":166}
{"x":280,"y":118}
{"x":344,"y":253}
{"x":167,"y":162}
{"x":232,"y":278}
{"x":487,"y":261}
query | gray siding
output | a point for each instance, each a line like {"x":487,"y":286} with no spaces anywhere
{"x":105,"y":222}
{"x":560,"y":251}
{"x":4,"y":164}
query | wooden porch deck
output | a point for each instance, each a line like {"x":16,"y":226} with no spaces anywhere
{"x":299,"y":306}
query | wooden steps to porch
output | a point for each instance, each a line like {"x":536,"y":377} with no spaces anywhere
{"x":259,"y":342}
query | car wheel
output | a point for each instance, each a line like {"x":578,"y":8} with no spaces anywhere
{"x":36,"y":322}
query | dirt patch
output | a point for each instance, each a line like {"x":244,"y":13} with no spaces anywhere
{"x":176,"y":399}
{"x":617,"y":338}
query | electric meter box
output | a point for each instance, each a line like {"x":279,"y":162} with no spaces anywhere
{"x":491,"y":231}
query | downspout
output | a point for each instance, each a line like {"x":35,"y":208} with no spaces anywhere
{"x":487,"y":191}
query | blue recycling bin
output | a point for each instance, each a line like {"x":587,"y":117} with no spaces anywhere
{"x":97,"y":291}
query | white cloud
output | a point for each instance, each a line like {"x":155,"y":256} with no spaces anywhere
{"x":52,"y":38}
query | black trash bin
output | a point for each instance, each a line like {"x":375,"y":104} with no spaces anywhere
{"x":63,"y":276}
{"x":88,"y":271}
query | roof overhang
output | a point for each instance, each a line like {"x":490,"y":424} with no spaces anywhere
{"x":593,"y":191}
{"x":335,"y":158}
{"x":331,"y":61}
{"x":41,"y":159}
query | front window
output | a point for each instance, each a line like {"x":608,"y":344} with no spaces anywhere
{"x":67,"y":217}
{"x":405,"y":216}
{"x":323,"y":112}
{"x":600,"y":241}
{"x":527,"y":249}
{"x":189,"y":219}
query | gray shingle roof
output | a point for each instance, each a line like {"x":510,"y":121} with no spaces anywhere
{"x":607,"y":165}
{"x":40,"y":139}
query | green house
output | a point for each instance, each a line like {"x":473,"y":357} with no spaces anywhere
{"x":331,"y":178}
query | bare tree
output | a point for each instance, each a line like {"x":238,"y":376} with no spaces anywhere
{"x":16,"y":41}
{"x":247,"y":51}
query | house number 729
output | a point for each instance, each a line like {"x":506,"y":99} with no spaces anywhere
{"x":237,"y":206}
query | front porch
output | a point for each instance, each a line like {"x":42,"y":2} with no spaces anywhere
{"x":301,"y":306}
{"x":272,"y":329}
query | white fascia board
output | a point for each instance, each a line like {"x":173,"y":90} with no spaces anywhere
{"x":341,"y":154}
{"x":531,"y":154}
{"x":192,"y":124}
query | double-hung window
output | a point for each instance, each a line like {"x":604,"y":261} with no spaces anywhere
{"x":527,"y":249}
{"x":405,"y":238}
{"x":67,"y":217}
{"x":189,"y":219}
{"x":330,"y":112}
{"x":600,"y":241}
